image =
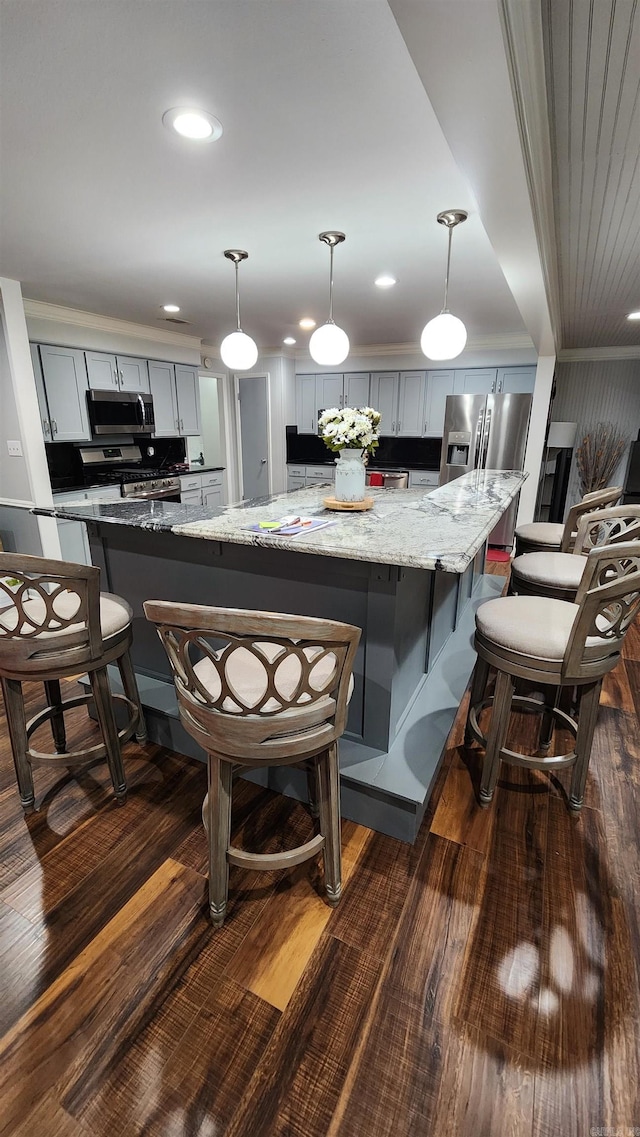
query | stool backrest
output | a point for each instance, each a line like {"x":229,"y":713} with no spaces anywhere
{"x":607,"y":527}
{"x":257,"y":685}
{"x":599,"y":499}
{"x":49,"y":611}
{"x":608,"y":602}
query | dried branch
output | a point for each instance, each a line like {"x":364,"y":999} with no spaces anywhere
{"x":599,"y":454}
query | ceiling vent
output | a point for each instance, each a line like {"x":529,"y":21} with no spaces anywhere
{"x":173,"y":320}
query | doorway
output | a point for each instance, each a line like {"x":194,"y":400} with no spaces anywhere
{"x":253,"y":422}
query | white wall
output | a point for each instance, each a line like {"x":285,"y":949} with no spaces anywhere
{"x":598,"y":391}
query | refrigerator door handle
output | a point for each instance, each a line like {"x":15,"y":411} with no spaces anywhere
{"x":485,"y":437}
{"x":479,"y":438}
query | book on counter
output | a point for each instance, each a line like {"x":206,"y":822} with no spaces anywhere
{"x":288,"y":526}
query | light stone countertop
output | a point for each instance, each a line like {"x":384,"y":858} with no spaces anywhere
{"x":442,"y":529}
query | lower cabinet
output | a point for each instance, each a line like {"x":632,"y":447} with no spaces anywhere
{"x":212,"y":498}
{"x":74,"y":543}
{"x":203,"y":489}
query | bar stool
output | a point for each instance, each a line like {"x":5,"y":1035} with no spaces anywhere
{"x":559,"y":574}
{"x":54,"y":623}
{"x":551,"y":536}
{"x":553,"y":643}
{"x":261,"y":689}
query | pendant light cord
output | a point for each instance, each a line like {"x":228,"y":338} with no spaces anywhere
{"x":239,"y":329}
{"x":446,"y":279}
{"x":330,"y":320}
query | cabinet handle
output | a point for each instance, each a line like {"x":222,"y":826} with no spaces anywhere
{"x":54,"y":427}
{"x":116,"y":379}
{"x":398,"y":425}
{"x":45,"y":426}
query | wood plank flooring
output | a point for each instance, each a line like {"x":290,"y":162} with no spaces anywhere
{"x":484,"y":981}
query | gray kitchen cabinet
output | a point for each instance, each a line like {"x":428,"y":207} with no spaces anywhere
{"x":306,"y":414}
{"x":410,"y":417}
{"x":40,"y":392}
{"x":329,"y":391}
{"x":162,"y":384}
{"x":295,"y":482}
{"x":116,"y":372}
{"x":64,"y":373}
{"x":356,"y":389}
{"x":212,"y":497}
{"x":427,"y":478}
{"x":439,"y":386}
{"x":516,"y":380}
{"x":191,"y":497}
{"x":74,"y":543}
{"x":188,"y":399}
{"x":384,"y":398}
{"x":476,"y":381}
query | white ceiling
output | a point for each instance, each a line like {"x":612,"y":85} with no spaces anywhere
{"x":326,"y":125}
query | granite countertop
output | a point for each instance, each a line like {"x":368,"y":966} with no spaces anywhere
{"x":442,"y":529}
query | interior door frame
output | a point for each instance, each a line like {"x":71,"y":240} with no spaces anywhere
{"x":238,"y":424}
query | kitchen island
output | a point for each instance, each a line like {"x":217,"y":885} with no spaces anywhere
{"x":409,"y":572}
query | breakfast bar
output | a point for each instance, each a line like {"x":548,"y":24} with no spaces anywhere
{"x":409,"y":572}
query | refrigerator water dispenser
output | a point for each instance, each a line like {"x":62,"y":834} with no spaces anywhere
{"x":458,"y":443}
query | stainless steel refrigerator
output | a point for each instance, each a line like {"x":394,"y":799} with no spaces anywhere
{"x":486,"y":432}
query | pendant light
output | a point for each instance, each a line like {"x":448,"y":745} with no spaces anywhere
{"x":238,"y":351}
{"x":444,"y":337}
{"x":329,"y":345}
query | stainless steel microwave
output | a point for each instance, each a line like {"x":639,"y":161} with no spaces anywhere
{"x":120,"y":412}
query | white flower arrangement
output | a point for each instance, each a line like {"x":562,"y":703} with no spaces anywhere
{"x":355,"y":427}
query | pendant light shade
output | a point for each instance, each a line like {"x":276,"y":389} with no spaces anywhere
{"x":329,"y":344}
{"x":237,"y":350}
{"x":445,"y":336}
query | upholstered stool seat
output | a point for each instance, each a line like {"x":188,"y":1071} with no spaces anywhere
{"x":553,"y":643}
{"x":55,"y":623}
{"x":550,"y":536}
{"x":547,"y":534}
{"x":275,"y":694}
{"x":559,"y":572}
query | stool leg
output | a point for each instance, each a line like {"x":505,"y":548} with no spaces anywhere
{"x":219,"y":818}
{"x":548,"y":721}
{"x":497,"y":736}
{"x":54,"y":699}
{"x":479,"y":682}
{"x":587,"y":718}
{"x":130,"y":687}
{"x":329,"y":809}
{"x":104,"y":709}
{"x":14,"y":705}
{"x":312,"y":787}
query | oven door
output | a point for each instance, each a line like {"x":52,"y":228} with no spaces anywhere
{"x":169,"y":493}
{"x":120,"y":412}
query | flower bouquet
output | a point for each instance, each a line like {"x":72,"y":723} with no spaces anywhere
{"x":355,"y":428}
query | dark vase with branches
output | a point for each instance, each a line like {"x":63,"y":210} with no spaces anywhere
{"x":598,"y":455}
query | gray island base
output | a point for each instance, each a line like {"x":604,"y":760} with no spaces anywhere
{"x":409,"y":573}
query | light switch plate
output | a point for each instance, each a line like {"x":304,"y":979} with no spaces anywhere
{"x":14,"y":448}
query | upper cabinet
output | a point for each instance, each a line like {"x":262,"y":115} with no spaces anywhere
{"x":162,"y":383}
{"x":316,"y":393}
{"x":356,"y":389}
{"x":475,"y":381}
{"x":516,"y":380}
{"x":116,"y":372}
{"x":411,"y":400}
{"x":329,"y":391}
{"x":306,"y":412}
{"x":188,"y":399}
{"x":384,"y":398}
{"x":64,"y":375}
{"x":439,"y":385}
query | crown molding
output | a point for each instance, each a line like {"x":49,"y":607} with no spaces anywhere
{"x":576,"y":354}
{"x":39,"y":309}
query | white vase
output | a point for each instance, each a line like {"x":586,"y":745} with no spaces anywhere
{"x":350,"y":475}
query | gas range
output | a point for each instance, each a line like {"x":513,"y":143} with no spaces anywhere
{"x":122,"y":465}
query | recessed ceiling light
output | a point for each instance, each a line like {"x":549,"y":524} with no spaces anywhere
{"x":385,"y":281}
{"x":289,"y":340}
{"x":170,"y":308}
{"x":198,"y":125}
{"x":633,"y":316}
{"x":307,"y":322}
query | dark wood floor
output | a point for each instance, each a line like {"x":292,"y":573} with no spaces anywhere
{"x":484,"y":981}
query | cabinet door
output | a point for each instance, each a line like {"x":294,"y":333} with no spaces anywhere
{"x":516,"y":380}
{"x":212,"y":498}
{"x":40,"y":392}
{"x":329,"y":391}
{"x":192,"y":497}
{"x":65,"y":379}
{"x":102,"y":371}
{"x":306,"y":416}
{"x":411,"y":403}
{"x":356,"y":389}
{"x":133,"y":374}
{"x":439,"y":385}
{"x":294,"y":482}
{"x":384,"y":398}
{"x":162,"y":384}
{"x":74,"y":543}
{"x":476,"y":381}
{"x":188,"y":394}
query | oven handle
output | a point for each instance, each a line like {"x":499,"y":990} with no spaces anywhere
{"x":169,"y":491}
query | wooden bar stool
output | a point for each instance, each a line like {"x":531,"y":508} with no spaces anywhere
{"x":260,"y":689}
{"x":553,"y":643}
{"x":559,"y":574}
{"x":55,"y":623}
{"x":551,"y":536}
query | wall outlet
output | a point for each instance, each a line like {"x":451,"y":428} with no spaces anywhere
{"x":14,"y":448}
